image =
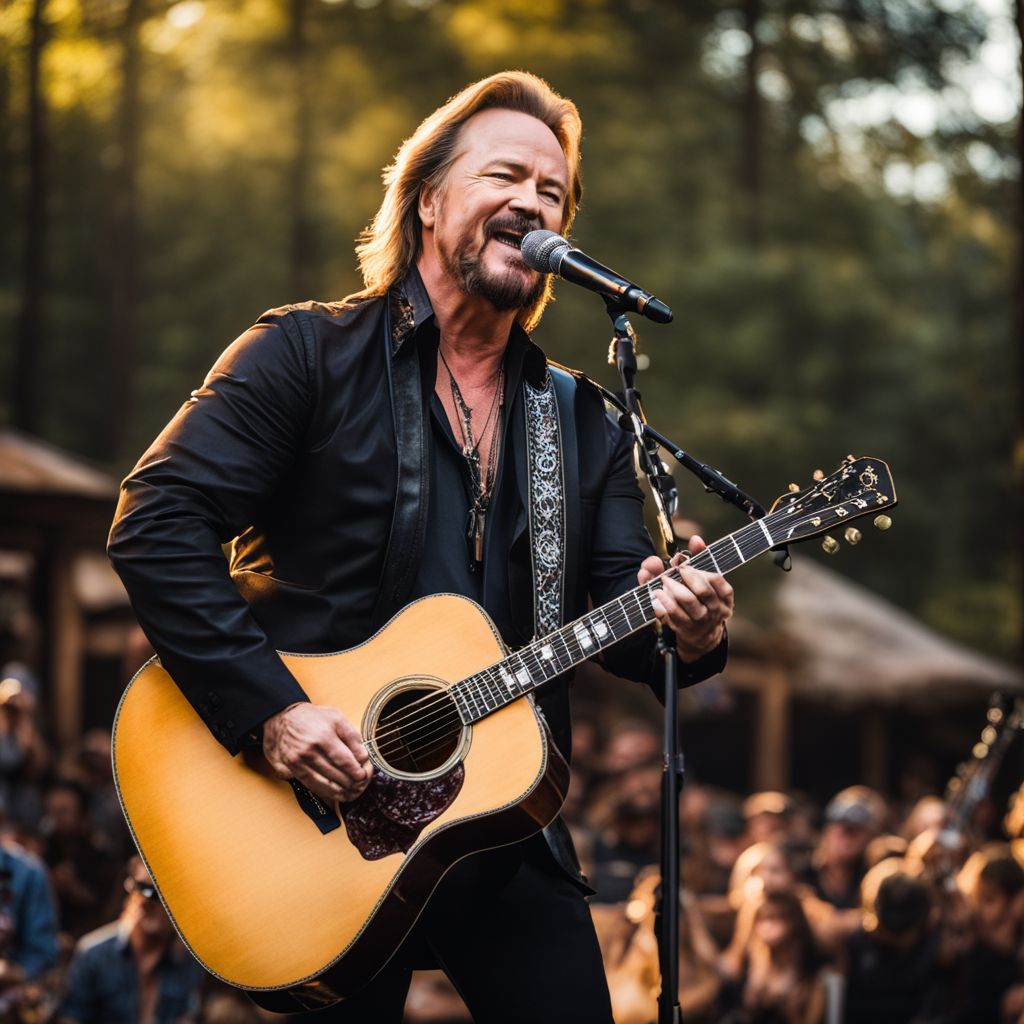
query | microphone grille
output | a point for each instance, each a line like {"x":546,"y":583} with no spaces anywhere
{"x":542,"y":250}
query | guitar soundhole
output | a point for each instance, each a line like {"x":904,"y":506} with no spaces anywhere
{"x":417,"y":731}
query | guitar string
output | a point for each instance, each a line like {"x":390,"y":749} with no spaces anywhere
{"x":441,"y":718}
{"x":739,"y":538}
{"x":443,"y":704}
{"x":448,"y":704}
{"x":444,"y":714}
{"x":751,"y":550}
{"x":441,"y":724}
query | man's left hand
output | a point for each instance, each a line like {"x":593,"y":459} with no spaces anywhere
{"x":696,"y":608}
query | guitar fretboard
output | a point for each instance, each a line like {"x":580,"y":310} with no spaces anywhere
{"x":859,"y":487}
{"x":542,"y":660}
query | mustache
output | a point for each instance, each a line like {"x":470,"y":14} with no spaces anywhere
{"x":520,"y":225}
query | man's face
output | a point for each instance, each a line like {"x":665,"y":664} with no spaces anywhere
{"x":147,"y":911}
{"x":509,"y":178}
{"x":64,"y":812}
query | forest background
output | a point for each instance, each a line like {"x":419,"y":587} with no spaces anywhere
{"x":827,"y":192}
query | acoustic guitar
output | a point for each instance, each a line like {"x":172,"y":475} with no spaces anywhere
{"x":301,"y":903}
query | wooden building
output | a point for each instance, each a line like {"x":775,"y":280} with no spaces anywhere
{"x":65,"y":605}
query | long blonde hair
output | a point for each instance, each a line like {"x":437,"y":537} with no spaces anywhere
{"x":390,"y":245}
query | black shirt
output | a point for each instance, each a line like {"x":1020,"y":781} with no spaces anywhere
{"x":447,"y":565}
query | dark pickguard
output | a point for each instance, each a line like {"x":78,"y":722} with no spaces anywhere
{"x":390,"y":813}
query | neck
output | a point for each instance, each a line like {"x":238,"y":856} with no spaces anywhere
{"x":781,"y":956}
{"x":474,"y":333}
{"x":145,"y":943}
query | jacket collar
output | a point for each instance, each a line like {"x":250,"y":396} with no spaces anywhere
{"x":410,"y":308}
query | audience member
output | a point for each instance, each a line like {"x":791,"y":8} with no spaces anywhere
{"x":852,"y":819}
{"x":781,"y":981}
{"x":95,"y":771}
{"x":83,"y":871}
{"x":24,"y":756}
{"x":892,"y":966}
{"x":135,"y":968}
{"x":28,"y":920}
{"x":767,"y":816}
{"x":993,"y":963}
{"x":629,"y":947}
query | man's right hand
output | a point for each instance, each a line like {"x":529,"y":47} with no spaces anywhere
{"x":321,"y":748}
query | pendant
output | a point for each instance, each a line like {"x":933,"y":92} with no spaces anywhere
{"x":474,"y":531}
{"x":478,"y":537}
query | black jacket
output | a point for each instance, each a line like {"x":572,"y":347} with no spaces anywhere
{"x":305,"y":450}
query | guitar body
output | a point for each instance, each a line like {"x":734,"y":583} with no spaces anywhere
{"x":261,"y":895}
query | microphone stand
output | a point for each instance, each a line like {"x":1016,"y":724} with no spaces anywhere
{"x":647,"y":440}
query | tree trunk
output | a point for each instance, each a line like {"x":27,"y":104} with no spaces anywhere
{"x":302,"y":241}
{"x":27,"y":396}
{"x":124,"y":250}
{"x":750,"y":176}
{"x":1018,"y":327}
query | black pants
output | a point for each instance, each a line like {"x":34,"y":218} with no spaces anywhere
{"x":515,"y":936}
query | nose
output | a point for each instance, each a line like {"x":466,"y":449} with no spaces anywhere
{"x":526,"y":200}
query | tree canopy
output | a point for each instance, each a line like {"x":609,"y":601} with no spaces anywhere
{"x":807,"y":183}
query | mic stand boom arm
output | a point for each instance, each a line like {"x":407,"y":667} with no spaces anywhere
{"x":712,"y":480}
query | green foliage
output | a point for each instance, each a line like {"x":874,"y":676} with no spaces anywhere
{"x":818,"y":312}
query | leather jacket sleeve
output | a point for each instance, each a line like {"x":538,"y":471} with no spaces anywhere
{"x":198,"y":486}
{"x":620,"y":542}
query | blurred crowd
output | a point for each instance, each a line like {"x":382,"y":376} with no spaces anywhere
{"x":864,"y":910}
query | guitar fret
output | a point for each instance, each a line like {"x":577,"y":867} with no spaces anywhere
{"x":474,"y":693}
{"x":602,"y":629}
{"x":487,"y":689}
{"x":545,"y":657}
{"x":724,"y":556}
{"x":461,"y":704}
{"x":564,"y":637}
{"x":629,"y":613}
{"x":522,"y":674}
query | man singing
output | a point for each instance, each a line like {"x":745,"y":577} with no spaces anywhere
{"x":360,"y":454}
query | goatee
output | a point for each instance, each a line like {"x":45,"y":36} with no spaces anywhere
{"x":511,"y":290}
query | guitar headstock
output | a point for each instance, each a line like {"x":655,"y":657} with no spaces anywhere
{"x":859,"y":487}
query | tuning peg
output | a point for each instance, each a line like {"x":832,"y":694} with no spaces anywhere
{"x":883,"y":522}
{"x":818,"y":474}
{"x":793,"y":488}
{"x":830,"y":545}
{"x":852,"y":535}
{"x":851,"y":458}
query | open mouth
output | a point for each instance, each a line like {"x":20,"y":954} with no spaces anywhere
{"x":513,"y":239}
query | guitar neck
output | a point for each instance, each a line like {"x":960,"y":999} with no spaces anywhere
{"x":542,"y":660}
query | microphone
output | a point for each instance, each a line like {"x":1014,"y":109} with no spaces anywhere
{"x":552,"y":254}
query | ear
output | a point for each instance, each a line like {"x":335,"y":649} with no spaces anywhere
{"x":427,"y":205}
